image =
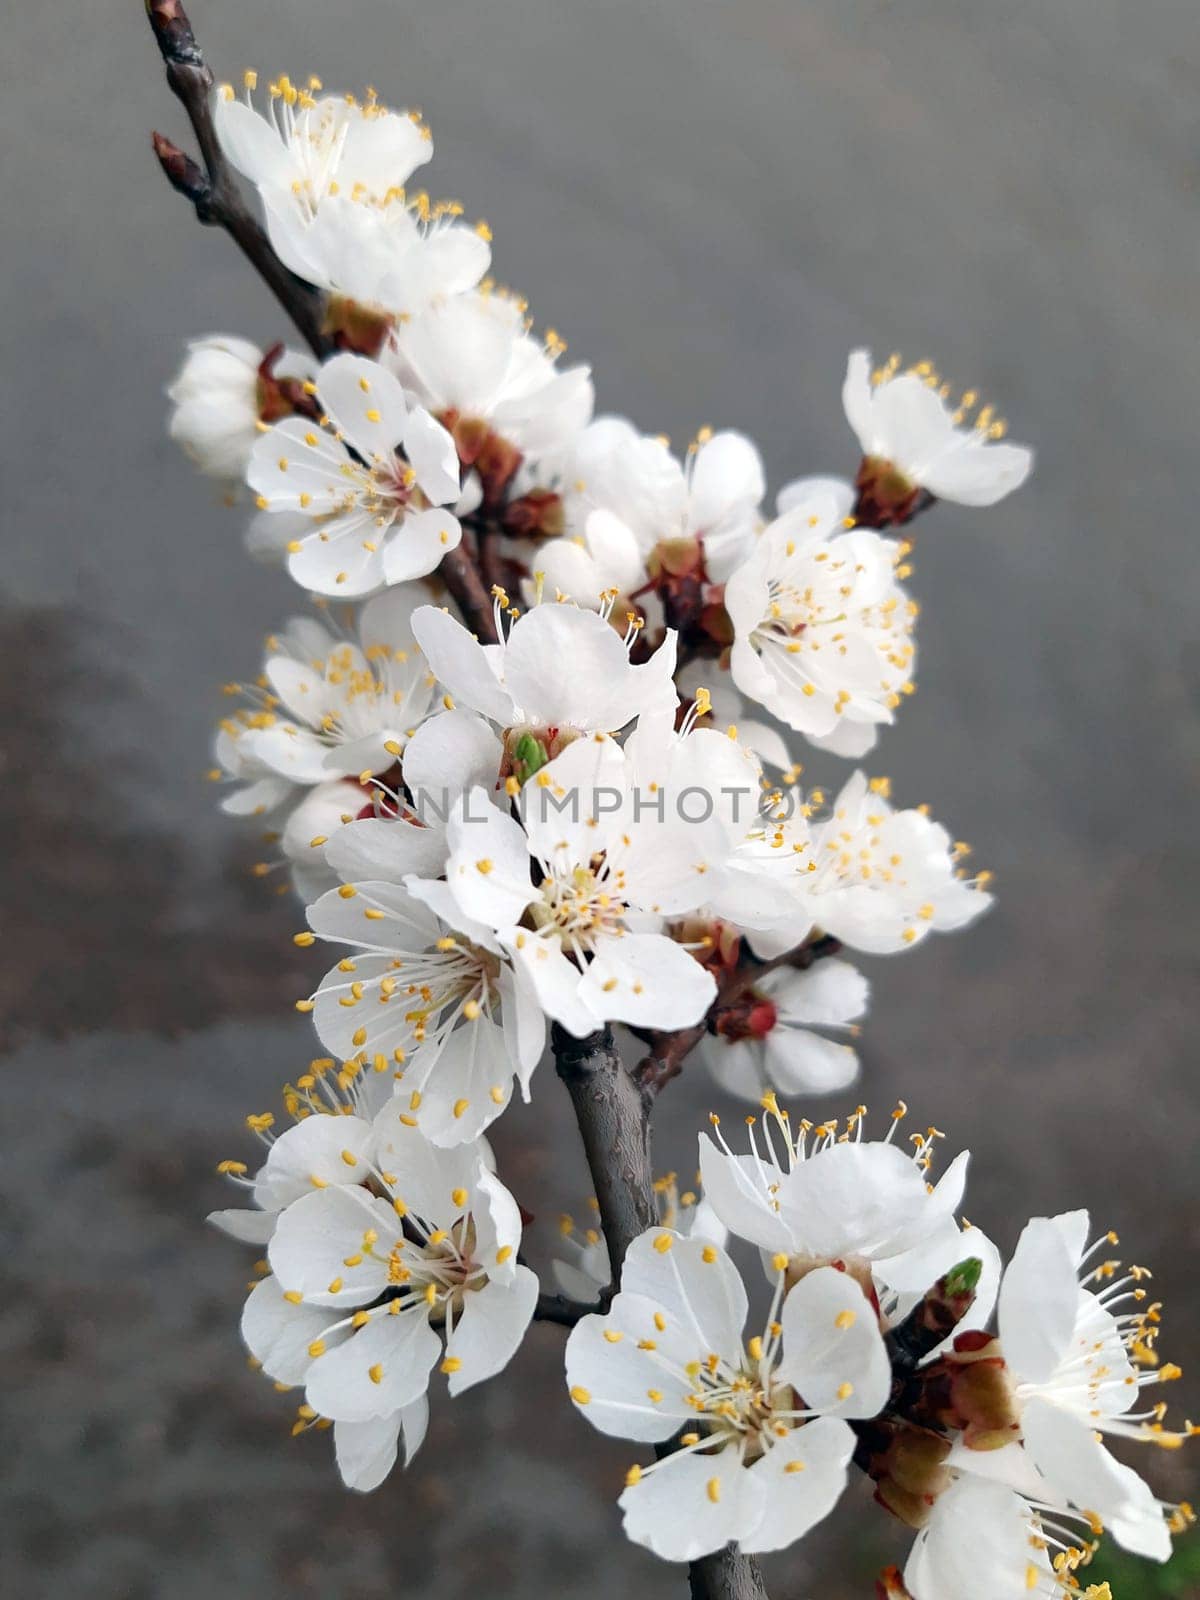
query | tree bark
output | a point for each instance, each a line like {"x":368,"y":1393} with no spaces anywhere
{"x":615,"y":1128}
{"x":613,"y":1114}
{"x":728,"y":1575}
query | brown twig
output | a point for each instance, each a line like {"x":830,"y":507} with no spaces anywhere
{"x":465,"y":584}
{"x":560,"y":1309}
{"x":214,"y":192}
{"x":727,"y":1575}
{"x":613,"y":1121}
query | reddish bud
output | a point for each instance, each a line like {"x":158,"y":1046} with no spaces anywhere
{"x":353,"y":326}
{"x":886,"y":498}
{"x":751,"y":1017}
{"x":182,"y":173}
{"x":536,"y":515}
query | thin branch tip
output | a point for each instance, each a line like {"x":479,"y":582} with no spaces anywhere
{"x":173,"y":31}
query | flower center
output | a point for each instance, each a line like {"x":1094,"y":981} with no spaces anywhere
{"x":581,"y":904}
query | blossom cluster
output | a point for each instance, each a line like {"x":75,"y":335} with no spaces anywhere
{"x":527,"y":753}
{"x":654,"y":630}
{"x":874,"y":1350}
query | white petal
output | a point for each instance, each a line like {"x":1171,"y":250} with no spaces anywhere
{"x":311,"y":1155}
{"x":800,"y":1062}
{"x":856,"y":398}
{"x":399,"y":1349}
{"x":692,"y":1505}
{"x":802,"y":1476}
{"x":829,"y":993}
{"x":737,"y":1066}
{"x":416,"y":545}
{"x":366,"y":1451}
{"x":978,"y":474}
{"x":366,"y":403}
{"x":737,"y":1192}
{"x":696,"y":1285}
{"x":855,"y":1199}
{"x":1037,"y":1303}
{"x":244,"y":1225}
{"x":1069,"y":1453}
{"x":1140,"y":1526}
{"x":251,"y":143}
{"x":834,"y":1354}
{"x":619,"y":1384}
{"x":427,"y":1177}
{"x":490,"y":1330}
{"x":278,"y":1333}
{"x":489,"y":867}
{"x":497,"y":1228}
{"x":553,"y":979}
{"x":386,"y":851}
{"x":457,"y":659}
{"x":316,"y":1234}
{"x":434,"y":458}
{"x":978,"y":1532}
{"x":469,"y":1086}
{"x":647,"y":979}
{"x":562,"y":665}
{"x":449,"y":755}
{"x":800,"y":490}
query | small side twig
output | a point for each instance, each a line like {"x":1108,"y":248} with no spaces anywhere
{"x":560,"y":1309}
{"x":214,"y":192}
{"x":462,"y":578}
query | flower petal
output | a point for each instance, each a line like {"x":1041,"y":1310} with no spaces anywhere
{"x":802,"y":1476}
{"x":491,"y":1328}
{"x":691,"y":1505}
{"x":834,"y":1354}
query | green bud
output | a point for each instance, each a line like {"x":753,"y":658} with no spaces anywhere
{"x":964,"y":1278}
{"x":529,"y":756}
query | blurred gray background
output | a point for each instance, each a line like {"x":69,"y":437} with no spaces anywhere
{"x":713,"y":200}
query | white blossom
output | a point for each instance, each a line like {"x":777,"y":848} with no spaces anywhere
{"x":373,"y":516}
{"x":470,"y":361}
{"x":309,"y":149}
{"x":903,"y":422}
{"x":428,"y":997}
{"x":218,"y":399}
{"x":392,"y":260}
{"x":766,"y":1448}
{"x":983,"y":1538}
{"x":374,"y":1278}
{"x":1072,"y":1355}
{"x":822,"y":627}
{"x":822,"y":1198}
{"x":776,"y":1043}
{"x":578,"y":892}
{"x":714,"y":499}
{"x":876,"y":878}
{"x":329,"y":707}
{"x":557,"y":670}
